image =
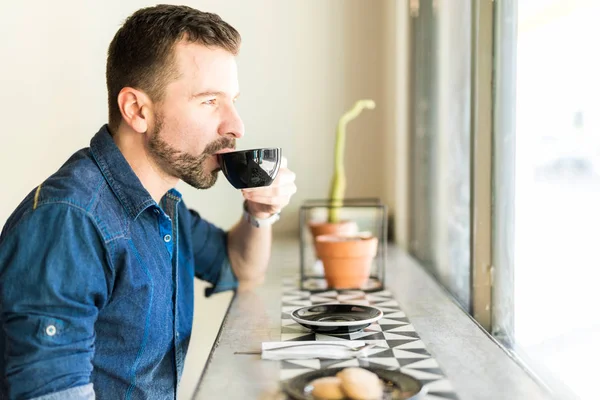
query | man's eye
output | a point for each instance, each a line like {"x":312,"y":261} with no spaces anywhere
{"x":210,"y":102}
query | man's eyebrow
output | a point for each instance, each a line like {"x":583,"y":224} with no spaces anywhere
{"x":213,"y":93}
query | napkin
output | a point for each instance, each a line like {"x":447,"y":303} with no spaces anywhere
{"x":302,"y":350}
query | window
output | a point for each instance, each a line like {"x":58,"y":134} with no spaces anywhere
{"x":525,"y":77}
{"x":557,"y":191}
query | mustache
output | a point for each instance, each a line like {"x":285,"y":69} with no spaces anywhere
{"x":220,"y":144}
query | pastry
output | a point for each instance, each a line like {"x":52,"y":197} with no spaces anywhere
{"x":360,"y":384}
{"x":327,"y":388}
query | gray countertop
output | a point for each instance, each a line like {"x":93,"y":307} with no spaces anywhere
{"x":475,"y":365}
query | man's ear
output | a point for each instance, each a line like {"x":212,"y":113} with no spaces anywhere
{"x":136,"y":108}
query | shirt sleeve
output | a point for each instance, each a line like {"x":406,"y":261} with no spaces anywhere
{"x":211,"y":260}
{"x":85,"y":392}
{"x":53,"y":281}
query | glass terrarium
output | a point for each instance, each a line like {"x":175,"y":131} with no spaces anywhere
{"x":367,"y":215}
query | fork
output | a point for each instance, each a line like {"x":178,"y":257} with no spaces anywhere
{"x":309,"y":345}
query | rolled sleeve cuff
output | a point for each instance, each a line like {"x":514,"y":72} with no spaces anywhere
{"x":227,"y":280}
{"x":85,"y":392}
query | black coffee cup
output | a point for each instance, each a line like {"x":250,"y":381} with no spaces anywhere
{"x":250,"y":168}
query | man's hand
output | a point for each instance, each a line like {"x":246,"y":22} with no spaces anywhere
{"x":264,"y":201}
{"x":249,"y":248}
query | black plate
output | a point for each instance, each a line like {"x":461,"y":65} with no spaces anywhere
{"x":336,"y":318}
{"x":398,"y":386}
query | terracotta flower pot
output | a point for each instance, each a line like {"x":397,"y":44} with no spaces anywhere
{"x":332,"y":228}
{"x":329,"y":228}
{"x":346,"y":259}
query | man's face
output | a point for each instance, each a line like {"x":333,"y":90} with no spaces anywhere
{"x":197,"y":117}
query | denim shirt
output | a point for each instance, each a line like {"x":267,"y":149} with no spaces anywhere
{"x":96,"y":283}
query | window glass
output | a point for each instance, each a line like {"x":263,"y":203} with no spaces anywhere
{"x":440,"y":165}
{"x":557,"y":192}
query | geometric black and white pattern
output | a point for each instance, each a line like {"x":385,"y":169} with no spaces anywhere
{"x":398,"y":345}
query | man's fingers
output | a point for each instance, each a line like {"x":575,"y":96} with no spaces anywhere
{"x":284,"y":177}
{"x":275,"y":191}
{"x":279,"y":201}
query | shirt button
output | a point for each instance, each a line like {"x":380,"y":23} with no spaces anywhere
{"x":167,"y":238}
{"x":50,"y":330}
{"x":156,"y":211}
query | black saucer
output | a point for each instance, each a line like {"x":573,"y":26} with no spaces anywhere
{"x":397,"y":386}
{"x":336,"y":318}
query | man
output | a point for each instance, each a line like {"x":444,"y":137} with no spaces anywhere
{"x":97,"y":263}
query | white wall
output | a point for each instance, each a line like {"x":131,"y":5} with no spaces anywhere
{"x":302,"y":64}
{"x":396,"y":96}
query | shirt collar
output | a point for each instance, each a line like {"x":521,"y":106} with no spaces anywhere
{"x":119,"y":175}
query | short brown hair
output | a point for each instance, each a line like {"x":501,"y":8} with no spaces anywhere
{"x":141,"y":52}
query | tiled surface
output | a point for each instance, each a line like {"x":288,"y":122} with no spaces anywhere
{"x":398,"y":345}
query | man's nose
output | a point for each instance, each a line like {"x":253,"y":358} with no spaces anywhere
{"x":232,"y":124}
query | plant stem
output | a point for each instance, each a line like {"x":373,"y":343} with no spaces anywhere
{"x":338,"y":181}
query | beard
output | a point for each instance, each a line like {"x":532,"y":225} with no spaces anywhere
{"x":185,"y":166}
